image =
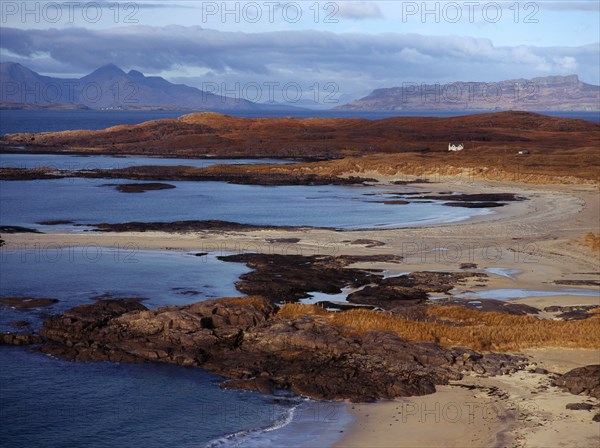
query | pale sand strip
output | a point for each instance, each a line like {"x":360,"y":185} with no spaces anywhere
{"x":452,"y":417}
{"x":519,"y":410}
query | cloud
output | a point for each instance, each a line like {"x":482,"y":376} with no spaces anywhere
{"x":356,"y":62}
{"x":358,"y":10}
{"x":592,"y":5}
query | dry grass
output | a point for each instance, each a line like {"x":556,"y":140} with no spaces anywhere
{"x":293,"y":310}
{"x":457,"y":326}
{"x":241,"y":301}
{"x":591,"y":240}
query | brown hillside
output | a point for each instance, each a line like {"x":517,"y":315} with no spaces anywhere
{"x":202,"y":134}
{"x":560,"y":150}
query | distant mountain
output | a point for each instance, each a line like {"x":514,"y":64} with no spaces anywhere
{"x":537,"y":94}
{"x":109,"y":87}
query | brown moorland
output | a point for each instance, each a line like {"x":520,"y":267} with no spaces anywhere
{"x":560,"y":149}
{"x":201,"y":134}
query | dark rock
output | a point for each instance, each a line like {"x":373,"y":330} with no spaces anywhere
{"x":26,"y":303}
{"x":246,"y":340}
{"x":55,"y":222}
{"x":288,"y":278}
{"x":19,"y":324}
{"x":579,"y":406}
{"x":408,"y":289}
{"x":19,"y":339}
{"x":368,"y":242}
{"x":396,"y":202}
{"x":502,"y":306}
{"x":408,"y":182}
{"x":577,"y":282}
{"x":29,"y":174}
{"x":578,"y":312}
{"x":325,"y":304}
{"x":481,"y":200}
{"x":283,"y":240}
{"x":596,"y":417}
{"x":140,"y":188}
{"x":582,"y":380}
{"x":17,"y":229}
{"x":261,"y":385}
{"x":474,"y":204}
{"x":477,"y":197}
{"x":187,"y":226}
{"x":468,"y":266}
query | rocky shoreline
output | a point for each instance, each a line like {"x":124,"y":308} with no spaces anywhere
{"x":255,"y":345}
{"x":229,"y":173}
{"x":258,"y":343}
{"x":245,"y":339}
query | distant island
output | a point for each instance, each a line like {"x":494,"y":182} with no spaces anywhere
{"x":44,"y":106}
{"x":109,"y":87}
{"x":550,"y":93}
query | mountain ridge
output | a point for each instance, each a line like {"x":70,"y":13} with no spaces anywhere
{"x":549,"y":93}
{"x":109,"y":87}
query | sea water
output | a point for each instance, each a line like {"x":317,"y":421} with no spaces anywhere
{"x":49,"y":402}
{"x":90,"y":201}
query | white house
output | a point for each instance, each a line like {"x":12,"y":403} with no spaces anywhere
{"x":455,"y":147}
{"x":523,"y":152}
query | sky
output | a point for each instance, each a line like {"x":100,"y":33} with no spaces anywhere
{"x":323,"y":51}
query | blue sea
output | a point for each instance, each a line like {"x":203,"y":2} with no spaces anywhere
{"x":47,"y":402}
{"x":13,"y":121}
{"x":89,"y":201}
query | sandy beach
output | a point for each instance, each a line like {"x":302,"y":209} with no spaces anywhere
{"x":519,"y":410}
{"x":526,"y":245}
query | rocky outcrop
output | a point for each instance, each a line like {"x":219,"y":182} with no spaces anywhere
{"x":288,"y":278}
{"x":17,"y":229}
{"x":576,"y":312}
{"x":246,"y":340}
{"x":582,"y":380}
{"x":233,"y":174}
{"x":140,"y":188}
{"x":502,"y":306}
{"x":19,"y":339}
{"x":212,"y":225}
{"x":409,"y":289}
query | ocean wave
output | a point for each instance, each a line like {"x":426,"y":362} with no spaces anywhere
{"x":254,"y":437}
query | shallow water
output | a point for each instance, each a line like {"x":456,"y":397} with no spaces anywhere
{"x":12,"y":121}
{"x":93,"y":162}
{"x":75,"y":275}
{"x":46,"y":402}
{"x":53,"y":403}
{"x":316,"y":297}
{"x":87,"y":201}
{"x":507,"y":294}
{"x":504,"y":272}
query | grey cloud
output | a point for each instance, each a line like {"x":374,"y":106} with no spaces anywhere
{"x":357,"y":62}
